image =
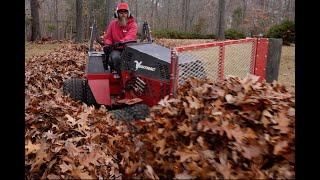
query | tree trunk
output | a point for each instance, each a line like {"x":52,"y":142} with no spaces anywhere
{"x":56,"y":18}
{"x":110,"y":10}
{"x":221,"y":20}
{"x":136,"y":13}
{"x":168,"y":13}
{"x":79,"y":27}
{"x":187,"y":15}
{"x":66,"y":30}
{"x":183,"y":12}
{"x":157,"y":14}
{"x":244,"y":10}
{"x":35,"y":25}
{"x":153,"y":7}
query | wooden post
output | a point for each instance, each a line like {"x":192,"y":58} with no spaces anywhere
{"x":273,"y":59}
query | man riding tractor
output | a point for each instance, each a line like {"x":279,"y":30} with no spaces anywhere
{"x":122,"y":29}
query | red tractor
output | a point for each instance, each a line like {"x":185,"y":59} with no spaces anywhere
{"x":144,"y":80}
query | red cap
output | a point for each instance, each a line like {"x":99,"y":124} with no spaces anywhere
{"x":123,"y":6}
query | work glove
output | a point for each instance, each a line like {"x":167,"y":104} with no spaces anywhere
{"x":117,"y":44}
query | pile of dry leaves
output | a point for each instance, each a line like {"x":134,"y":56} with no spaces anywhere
{"x":229,"y":129}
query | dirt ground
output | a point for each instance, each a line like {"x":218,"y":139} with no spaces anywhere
{"x":286,"y":69}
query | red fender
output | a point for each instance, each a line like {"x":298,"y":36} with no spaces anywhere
{"x":101,"y":90}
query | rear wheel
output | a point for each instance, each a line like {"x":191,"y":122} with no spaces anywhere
{"x":75,"y":88}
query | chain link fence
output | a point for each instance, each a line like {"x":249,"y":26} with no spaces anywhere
{"x":217,"y":60}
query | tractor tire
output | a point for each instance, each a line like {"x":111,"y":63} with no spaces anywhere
{"x":139,"y":111}
{"x":122,"y":114}
{"x":88,"y":98}
{"x":75,"y":88}
{"x":134,"y":112}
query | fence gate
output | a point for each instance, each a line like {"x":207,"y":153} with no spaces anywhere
{"x":217,"y":60}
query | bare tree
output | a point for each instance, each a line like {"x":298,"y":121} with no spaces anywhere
{"x":244,"y":2}
{"x":136,"y":9}
{"x":35,"y":27}
{"x":110,"y":10}
{"x":56,"y":18}
{"x":221,"y":20}
{"x":182,"y":15}
{"x":153,"y":9}
{"x":168,"y":2}
{"x":79,"y":27}
{"x":187,"y":16}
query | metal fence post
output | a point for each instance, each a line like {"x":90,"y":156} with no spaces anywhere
{"x":261,"y":57}
{"x":273,"y":59}
{"x":221,"y":61}
{"x":174,"y":73}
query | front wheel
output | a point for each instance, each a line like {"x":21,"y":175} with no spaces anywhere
{"x":133,"y":112}
{"x":75,"y":88}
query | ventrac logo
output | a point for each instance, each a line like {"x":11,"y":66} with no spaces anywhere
{"x":139,"y":65}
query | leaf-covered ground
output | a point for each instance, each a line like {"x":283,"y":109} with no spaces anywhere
{"x":42,"y":47}
{"x":236,"y":128}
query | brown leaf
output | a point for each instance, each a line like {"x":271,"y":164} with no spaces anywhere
{"x":169,"y":111}
{"x":184,"y":175}
{"x":200,"y":140}
{"x":280,"y":147}
{"x":167,"y":101}
{"x":64,"y":167}
{"x":111,"y":139}
{"x":150,"y":172}
{"x":251,"y":151}
{"x":283,"y":122}
{"x":193,"y":166}
{"x":72,"y":149}
{"x":248,"y":81}
{"x":184,"y":129}
{"x":186,"y":154}
{"x":92,"y":158}
{"x":50,"y":135}
{"x":71,"y":121}
{"x":250,"y":134}
{"x":224,"y":167}
{"x":77,"y":172}
{"x":53,"y":176}
{"x":31,"y":148}
{"x":41,"y":157}
{"x":194,"y":102}
{"x":229,"y":98}
{"x":291,"y":112}
{"x":208,"y":154}
{"x":161,"y":144}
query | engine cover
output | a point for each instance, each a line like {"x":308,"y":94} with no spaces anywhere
{"x":146,"y":67}
{"x":148,"y":60}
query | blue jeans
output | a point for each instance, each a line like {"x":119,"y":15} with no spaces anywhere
{"x":115,"y":61}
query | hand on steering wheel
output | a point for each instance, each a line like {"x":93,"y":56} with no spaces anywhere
{"x":117,"y":44}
